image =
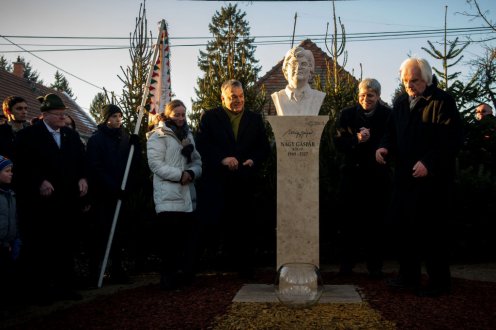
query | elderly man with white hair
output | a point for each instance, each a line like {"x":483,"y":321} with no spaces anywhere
{"x":423,"y":137}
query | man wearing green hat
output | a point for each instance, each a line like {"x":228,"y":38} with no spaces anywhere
{"x":50,"y":180}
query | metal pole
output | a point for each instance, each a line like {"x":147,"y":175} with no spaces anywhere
{"x":294,"y":29}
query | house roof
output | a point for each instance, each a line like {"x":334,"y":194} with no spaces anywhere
{"x":274,"y":79}
{"x":12,"y":84}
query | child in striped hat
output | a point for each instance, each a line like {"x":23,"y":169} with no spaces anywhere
{"x":8,"y":221}
{"x":9,"y":237}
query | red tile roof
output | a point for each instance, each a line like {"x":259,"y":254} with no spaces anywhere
{"x":11,"y":84}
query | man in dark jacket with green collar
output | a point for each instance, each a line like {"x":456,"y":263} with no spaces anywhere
{"x":233,"y":144}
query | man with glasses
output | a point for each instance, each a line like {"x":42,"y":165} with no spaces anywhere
{"x":480,"y":140}
{"x":50,"y":180}
{"x":483,"y":110}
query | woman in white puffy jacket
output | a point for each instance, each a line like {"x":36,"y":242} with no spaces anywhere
{"x":175,"y":163}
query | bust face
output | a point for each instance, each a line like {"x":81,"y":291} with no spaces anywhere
{"x":298,"y":71}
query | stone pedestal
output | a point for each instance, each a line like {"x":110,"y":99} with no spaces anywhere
{"x":297,"y":140}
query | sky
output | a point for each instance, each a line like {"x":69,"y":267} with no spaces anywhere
{"x":270,"y":22}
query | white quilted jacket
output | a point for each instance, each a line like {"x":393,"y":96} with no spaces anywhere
{"x":167,"y":164}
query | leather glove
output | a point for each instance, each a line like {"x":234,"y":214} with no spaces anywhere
{"x":134,"y":140}
{"x":187,"y":151}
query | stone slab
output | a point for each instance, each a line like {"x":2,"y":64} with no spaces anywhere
{"x":264,"y":293}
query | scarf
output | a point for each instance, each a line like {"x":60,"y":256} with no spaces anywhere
{"x":234,"y":118}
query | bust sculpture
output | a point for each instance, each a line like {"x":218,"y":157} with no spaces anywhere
{"x":298,"y":99}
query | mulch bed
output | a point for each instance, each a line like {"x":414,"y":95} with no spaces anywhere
{"x":207,"y":304}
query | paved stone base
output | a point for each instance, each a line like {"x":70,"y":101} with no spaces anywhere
{"x":337,"y":294}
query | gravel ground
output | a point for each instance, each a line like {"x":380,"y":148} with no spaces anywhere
{"x":208,"y":302}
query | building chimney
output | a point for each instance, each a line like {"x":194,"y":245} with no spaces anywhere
{"x":19,"y":68}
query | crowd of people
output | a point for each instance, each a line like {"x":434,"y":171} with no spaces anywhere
{"x":57,"y":179}
{"x":398,"y":173}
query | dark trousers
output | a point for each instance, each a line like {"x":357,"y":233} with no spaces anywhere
{"x":47,"y":228}
{"x":177,"y":242}
{"x":422,"y":216}
{"x":9,"y":282}
{"x":101,"y":216}
{"x":227,"y":213}
{"x":237,"y":226}
{"x":363,"y":201}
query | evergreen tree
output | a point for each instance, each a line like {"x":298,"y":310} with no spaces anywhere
{"x":450,"y":56}
{"x":484,"y":74}
{"x":97,"y":104}
{"x":340,"y":87}
{"x":229,"y":55}
{"x":134,"y":76}
{"x":139,"y":201}
{"x":4,"y":64}
{"x":341,"y":90}
{"x":61,"y":84}
{"x":29,"y":73}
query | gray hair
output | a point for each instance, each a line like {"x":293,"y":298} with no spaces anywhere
{"x":370,"y":83}
{"x":229,"y":84}
{"x":422,"y":64}
{"x":296,"y":52}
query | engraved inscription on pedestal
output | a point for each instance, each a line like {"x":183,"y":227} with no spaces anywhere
{"x":297,"y":140}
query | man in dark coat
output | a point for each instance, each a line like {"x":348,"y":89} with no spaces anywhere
{"x":108,"y":151}
{"x":424,"y":136}
{"x":481,"y":140}
{"x":50,"y":180}
{"x":233,"y":144}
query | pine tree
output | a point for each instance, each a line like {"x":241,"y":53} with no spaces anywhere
{"x":134,"y":76}
{"x":229,"y":55}
{"x":97,"y":104}
{"x":341,"y":90}
{"x":61,"y":84}
{"x":485,"y":76}
{"x":29,"y":73}
{"x":450,"y":56}
{"x":340,"y":87}
{"x":4,"y":64}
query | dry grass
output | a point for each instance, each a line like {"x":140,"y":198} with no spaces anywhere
{"x":261,"y":316}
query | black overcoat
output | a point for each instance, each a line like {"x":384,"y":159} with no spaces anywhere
{"x":215,"y":141}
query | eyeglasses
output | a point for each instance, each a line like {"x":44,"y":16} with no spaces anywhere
{"x":57,"y":114}
{"x":482,"y":112}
